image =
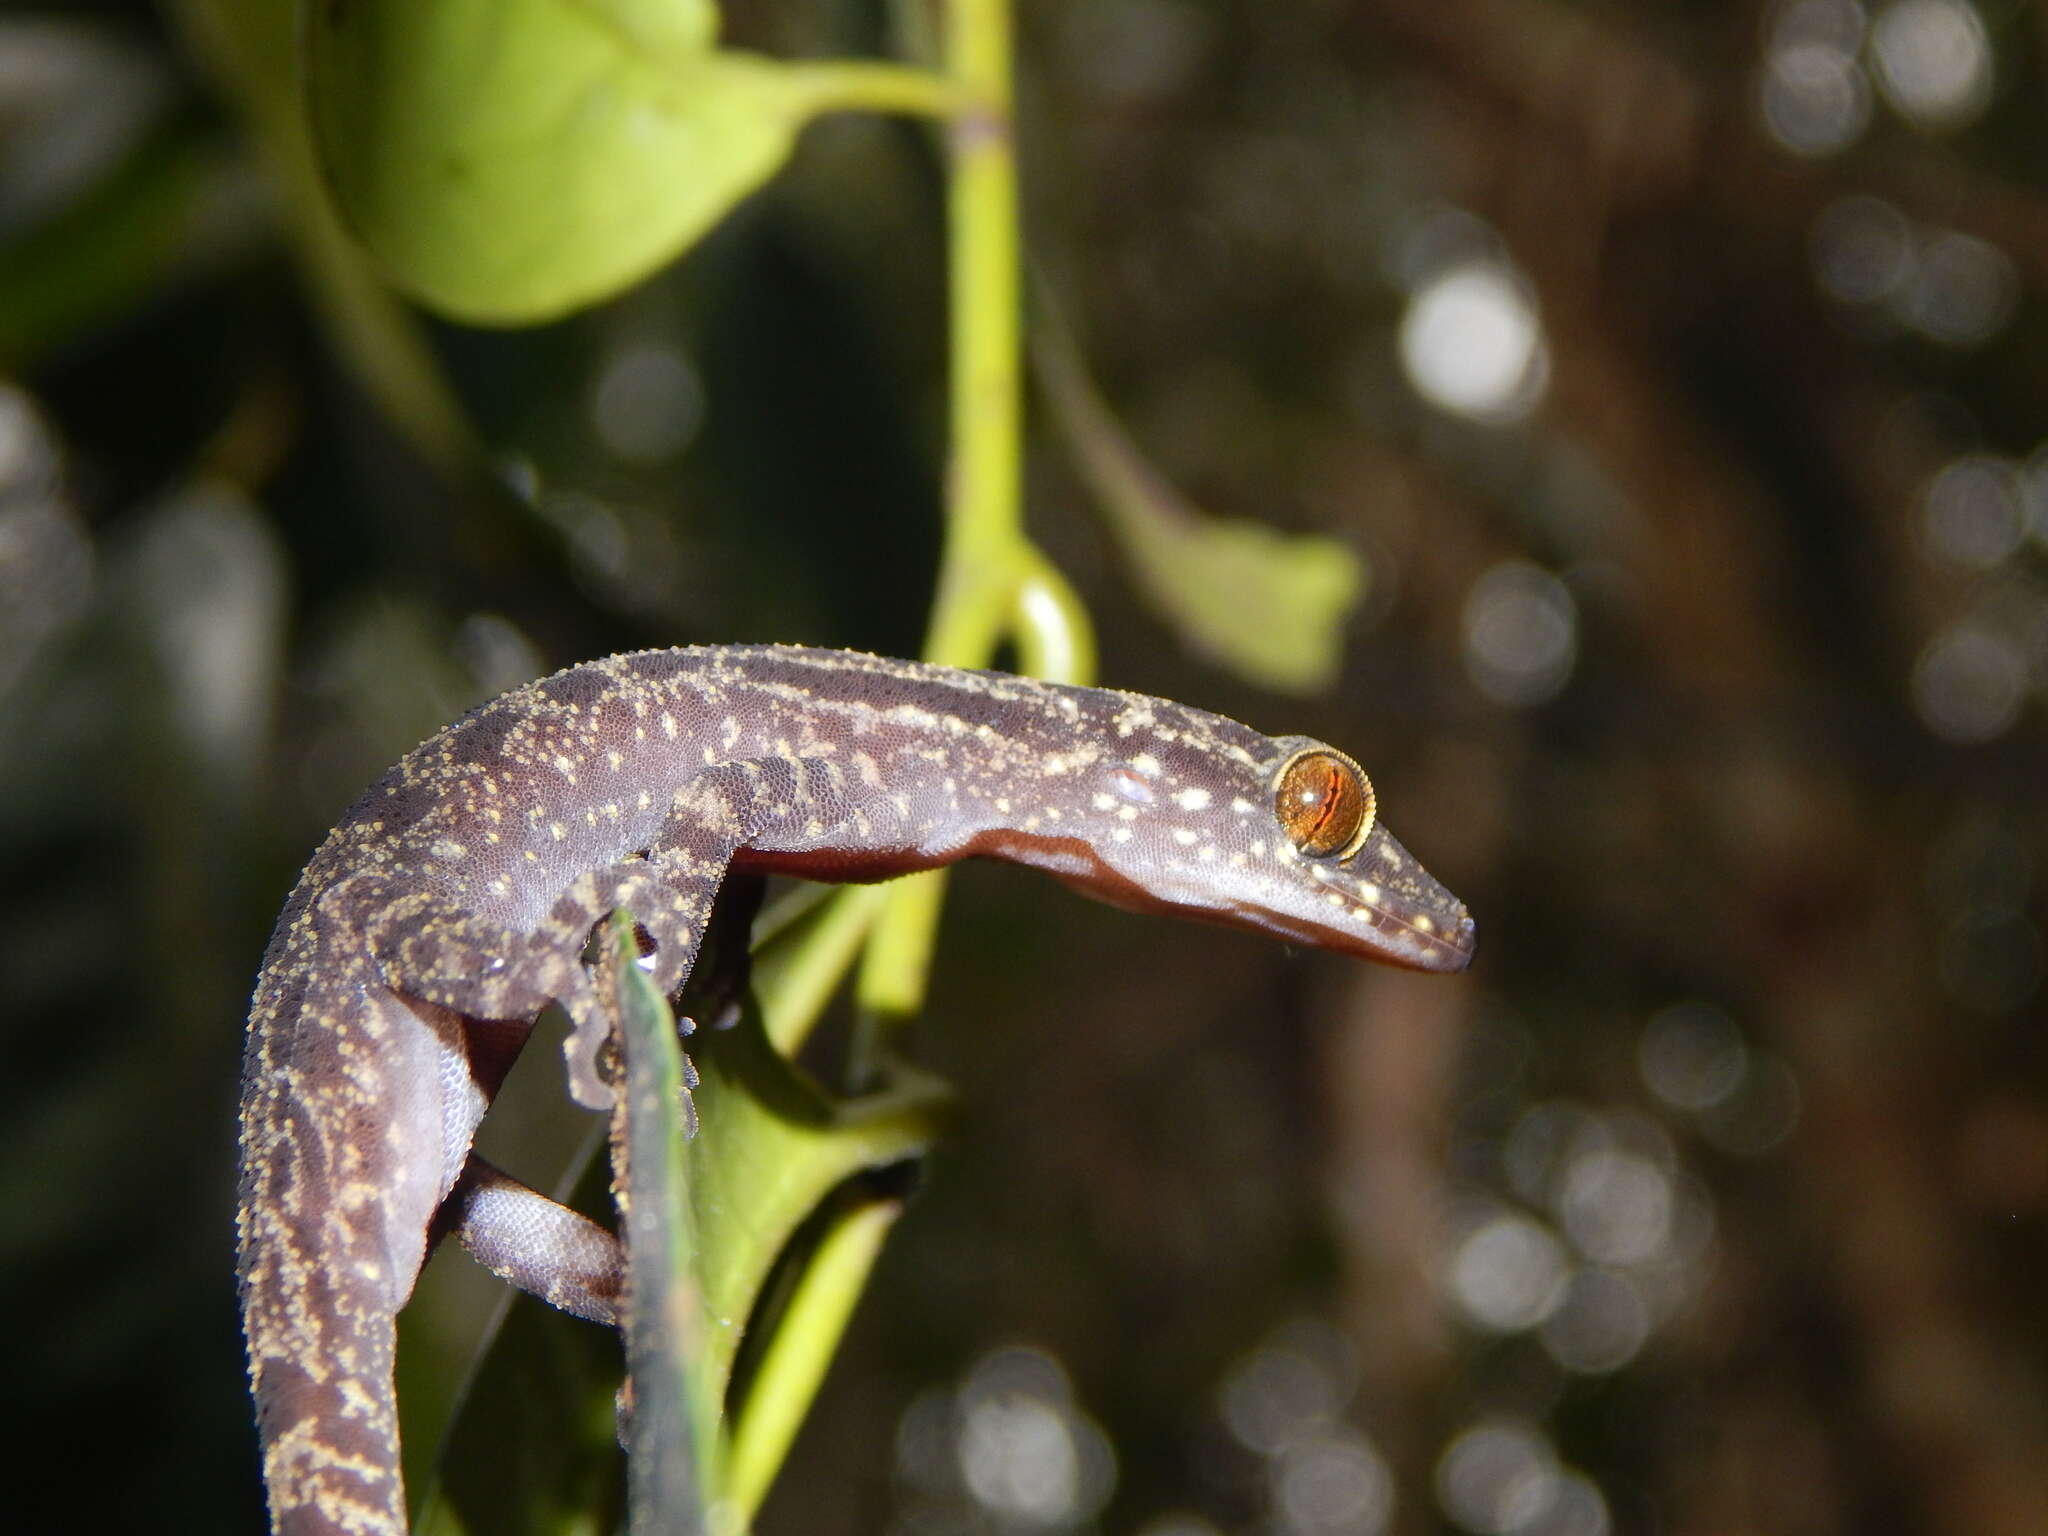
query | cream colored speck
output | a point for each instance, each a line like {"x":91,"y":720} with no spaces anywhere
{"x":447,"y":848}
{"x":557,"y":831}
{"x":1192,"y":799}
{"x":668,"y":725}
{"x":1185,"y":837}
{"x":1242,"y":806}
{"x":616,"y":759}
{"x":1127,"y":813}
{"x":1121,"y":834}
{"x":1369,"y":894}
{"x":1104,"y":802}
{"x":1146,"y":764}
{"x":1423,"y":923}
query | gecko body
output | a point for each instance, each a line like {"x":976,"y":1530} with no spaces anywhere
{"x":455,"y":900}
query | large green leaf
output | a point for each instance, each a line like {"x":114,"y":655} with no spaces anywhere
{"x":511,"y":160}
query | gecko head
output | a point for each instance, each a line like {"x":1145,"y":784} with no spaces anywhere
{"x":1281,"y":836}
{"x":1320,"y":866}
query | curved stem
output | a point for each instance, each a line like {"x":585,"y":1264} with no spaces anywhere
{"x":861,"y":85}
{"x":1055,"y":637}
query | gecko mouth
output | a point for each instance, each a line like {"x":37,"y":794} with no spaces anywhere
{"x":1387,"y":906}
{"x":1444,"y":945}
{"x":1415,"y":939}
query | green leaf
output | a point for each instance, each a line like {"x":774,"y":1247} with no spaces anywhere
{"x":511,"y":160}
{"x":772,"y":1147}
{"x":116,"y":242}
{"x":1268,"y":605}
{"x":672,"y":1434}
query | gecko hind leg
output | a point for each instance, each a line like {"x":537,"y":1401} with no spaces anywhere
{"x":538,"y":1244}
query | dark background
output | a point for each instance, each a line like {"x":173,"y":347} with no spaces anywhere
{"x":1704,"y":655}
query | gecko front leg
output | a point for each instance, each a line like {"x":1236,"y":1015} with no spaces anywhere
{"x":765,"y":803}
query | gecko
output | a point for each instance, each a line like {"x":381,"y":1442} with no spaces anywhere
{"x":456,"y":899}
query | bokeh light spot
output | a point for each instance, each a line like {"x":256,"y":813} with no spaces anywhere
{"x":1333,"y":1483}
{"x":1692,"y":1056}
{"x":1509,"y":1273}
{"x":1600,"y":1325}
{"x":1471,"y":344}
{"x":1968,"y":685}
{"x":1759,"y":1115}
{"x":648,"y":402}
{"x":1963,"y":291}
{"x":1498,"y":1477}
{"x":1521,"y":634}
{"x":1813,"y":96}
{"x":1933,"y":61}
{"x":1863,"y":249}
{"x":1971,"y":512}
{"x":1295,"y":1382}
{"x":1616,"y":1205}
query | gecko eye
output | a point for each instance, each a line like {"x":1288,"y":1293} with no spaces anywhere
{"x":1324,"y":802}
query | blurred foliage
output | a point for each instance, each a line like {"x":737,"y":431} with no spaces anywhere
{"x":1676,"y":373}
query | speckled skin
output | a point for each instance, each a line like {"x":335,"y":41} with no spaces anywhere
{"x":455,"y":899}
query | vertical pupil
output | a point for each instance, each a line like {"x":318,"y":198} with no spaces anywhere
{"x":1322,"y":803}
{"x":1326,"y":797}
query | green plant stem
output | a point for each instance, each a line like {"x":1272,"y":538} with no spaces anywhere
{"x":984,"y":538}
{"x":796,"y":979}
{"x":1055,"y":638}
{"x":802,"y":1346}
{"x":858,"y":85}
{"x":992,"y":583}
{"x":985,"y":551}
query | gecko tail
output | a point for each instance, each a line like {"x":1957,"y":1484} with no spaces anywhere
{"x":346,"y":1153}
